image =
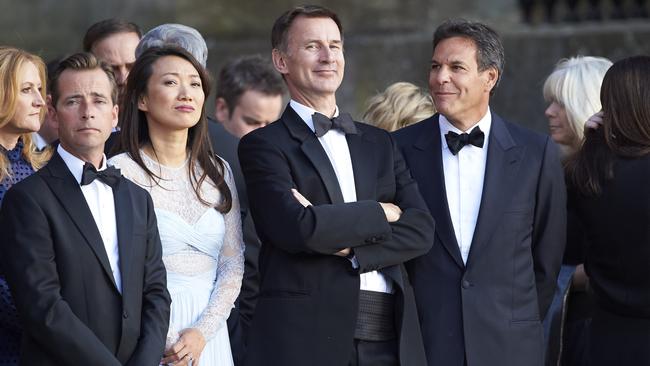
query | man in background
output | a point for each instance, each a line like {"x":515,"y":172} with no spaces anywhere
{"x":114,"y":41}
{"x":249,"y":96}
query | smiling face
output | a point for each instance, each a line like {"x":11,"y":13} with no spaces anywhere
{"x":84,"y":112}
{"x":460,"y":91}
{"x":174,"y":97}
{"x":313,"y":62}
{"x":29,"y":101}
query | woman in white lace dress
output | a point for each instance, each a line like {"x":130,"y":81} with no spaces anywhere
{"x":164,"y":133}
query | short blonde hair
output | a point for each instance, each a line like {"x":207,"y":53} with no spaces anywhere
{"x":11,"y":61}
{"x":575,"y":85}
{"x":400,"y":105}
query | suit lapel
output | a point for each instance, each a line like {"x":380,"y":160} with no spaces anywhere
{"x":67,"y":191}
{"x":363,"y":165}
{"x":124,"y":221}
{"x":503,"y":160}
{"x":314,"y":151}
{"x":432,"y":185}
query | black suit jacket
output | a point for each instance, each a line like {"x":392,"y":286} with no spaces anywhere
{"x":225,"y":145}
{"x":60,"y":276}
{"x":489,"y":310}
{"x":307,"y":309}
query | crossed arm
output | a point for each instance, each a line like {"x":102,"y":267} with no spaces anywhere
{"x":382,"y":234}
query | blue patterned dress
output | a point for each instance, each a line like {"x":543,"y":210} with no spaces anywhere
{"x":10,"y":332}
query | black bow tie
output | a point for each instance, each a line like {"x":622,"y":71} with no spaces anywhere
{"x":110,"y":176}
{"x":455,"y":142}
{"x":343,"y":122}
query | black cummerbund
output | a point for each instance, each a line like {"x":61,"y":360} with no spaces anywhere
{"x":376,"y":318}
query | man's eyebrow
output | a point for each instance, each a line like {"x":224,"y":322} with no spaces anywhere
{"x":251,"y":120}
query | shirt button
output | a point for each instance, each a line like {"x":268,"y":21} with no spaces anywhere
{"x":125,"y":315}
{"x":466,"y":284}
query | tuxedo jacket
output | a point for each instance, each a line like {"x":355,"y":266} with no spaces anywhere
{"x":225,"y":145}
{"x":307,"y":310}
{"x":489,"y":310}
{"x":59,"y":273}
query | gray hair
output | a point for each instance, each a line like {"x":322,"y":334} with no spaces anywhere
{"x":178,"y":35}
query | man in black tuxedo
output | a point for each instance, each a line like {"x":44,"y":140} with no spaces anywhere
{"x":337,"y":213}
{"x":80,"y":245}
{"x":497,"y":193}
{"x":249,"y":96}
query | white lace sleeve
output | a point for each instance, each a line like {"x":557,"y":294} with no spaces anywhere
{"x":230,"y":269}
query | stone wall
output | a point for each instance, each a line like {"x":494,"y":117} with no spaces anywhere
{"x":386,"y":40}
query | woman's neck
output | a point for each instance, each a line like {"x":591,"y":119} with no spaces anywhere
{"x":168,"y":149}
{"x":8,"y":140}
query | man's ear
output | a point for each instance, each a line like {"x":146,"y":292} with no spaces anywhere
{"x":491,"y":77}
{"x":221,"y":112}
{"x":115,"y":114}
{"x":279,"y":61}
{"x":51,"y":112}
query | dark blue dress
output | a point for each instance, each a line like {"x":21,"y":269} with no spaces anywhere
{"x":10,"y":332}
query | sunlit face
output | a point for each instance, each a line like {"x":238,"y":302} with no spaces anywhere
{"x":460,"y":91}
{"x":84,"y":112}
{"x":313,"y":63}
{"x":174,"y":97}
{"x":253,"y":110}
{"x":558,"y":125}
{"x":118,"y":50}
{"x":29,"y":101}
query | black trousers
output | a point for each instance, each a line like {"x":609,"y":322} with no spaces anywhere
{"x":374,"y":353}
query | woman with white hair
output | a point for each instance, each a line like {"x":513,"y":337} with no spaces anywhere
{"x":573,"y":93}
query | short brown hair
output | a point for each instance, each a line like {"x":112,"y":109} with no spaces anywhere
{"x":108,"y":27}
{"x":247,"y":73}
{"x":81,"y":61}
{"x":283,"y":23}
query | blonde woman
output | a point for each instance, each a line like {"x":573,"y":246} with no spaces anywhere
{"x":400,"y":105}
{"x":22,"y":108}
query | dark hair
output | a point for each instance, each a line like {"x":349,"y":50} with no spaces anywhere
{"x":489,"y":49}
{"x":51,"y":66}
{"x":135,"y":130}
{"x":105,"y":28}
{"x":247,"y":73}
{"x":625,"y":132}
{"x":283,"y":23}
{"x":81,"y":61}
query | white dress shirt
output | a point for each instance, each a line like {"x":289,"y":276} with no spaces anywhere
{"x":39,"y":141}
{"x":336,"y":147}
{"x":464,"y":175}
{"x":99,"y":197}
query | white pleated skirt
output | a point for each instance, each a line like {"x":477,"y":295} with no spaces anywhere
{"x":190,"y":296}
